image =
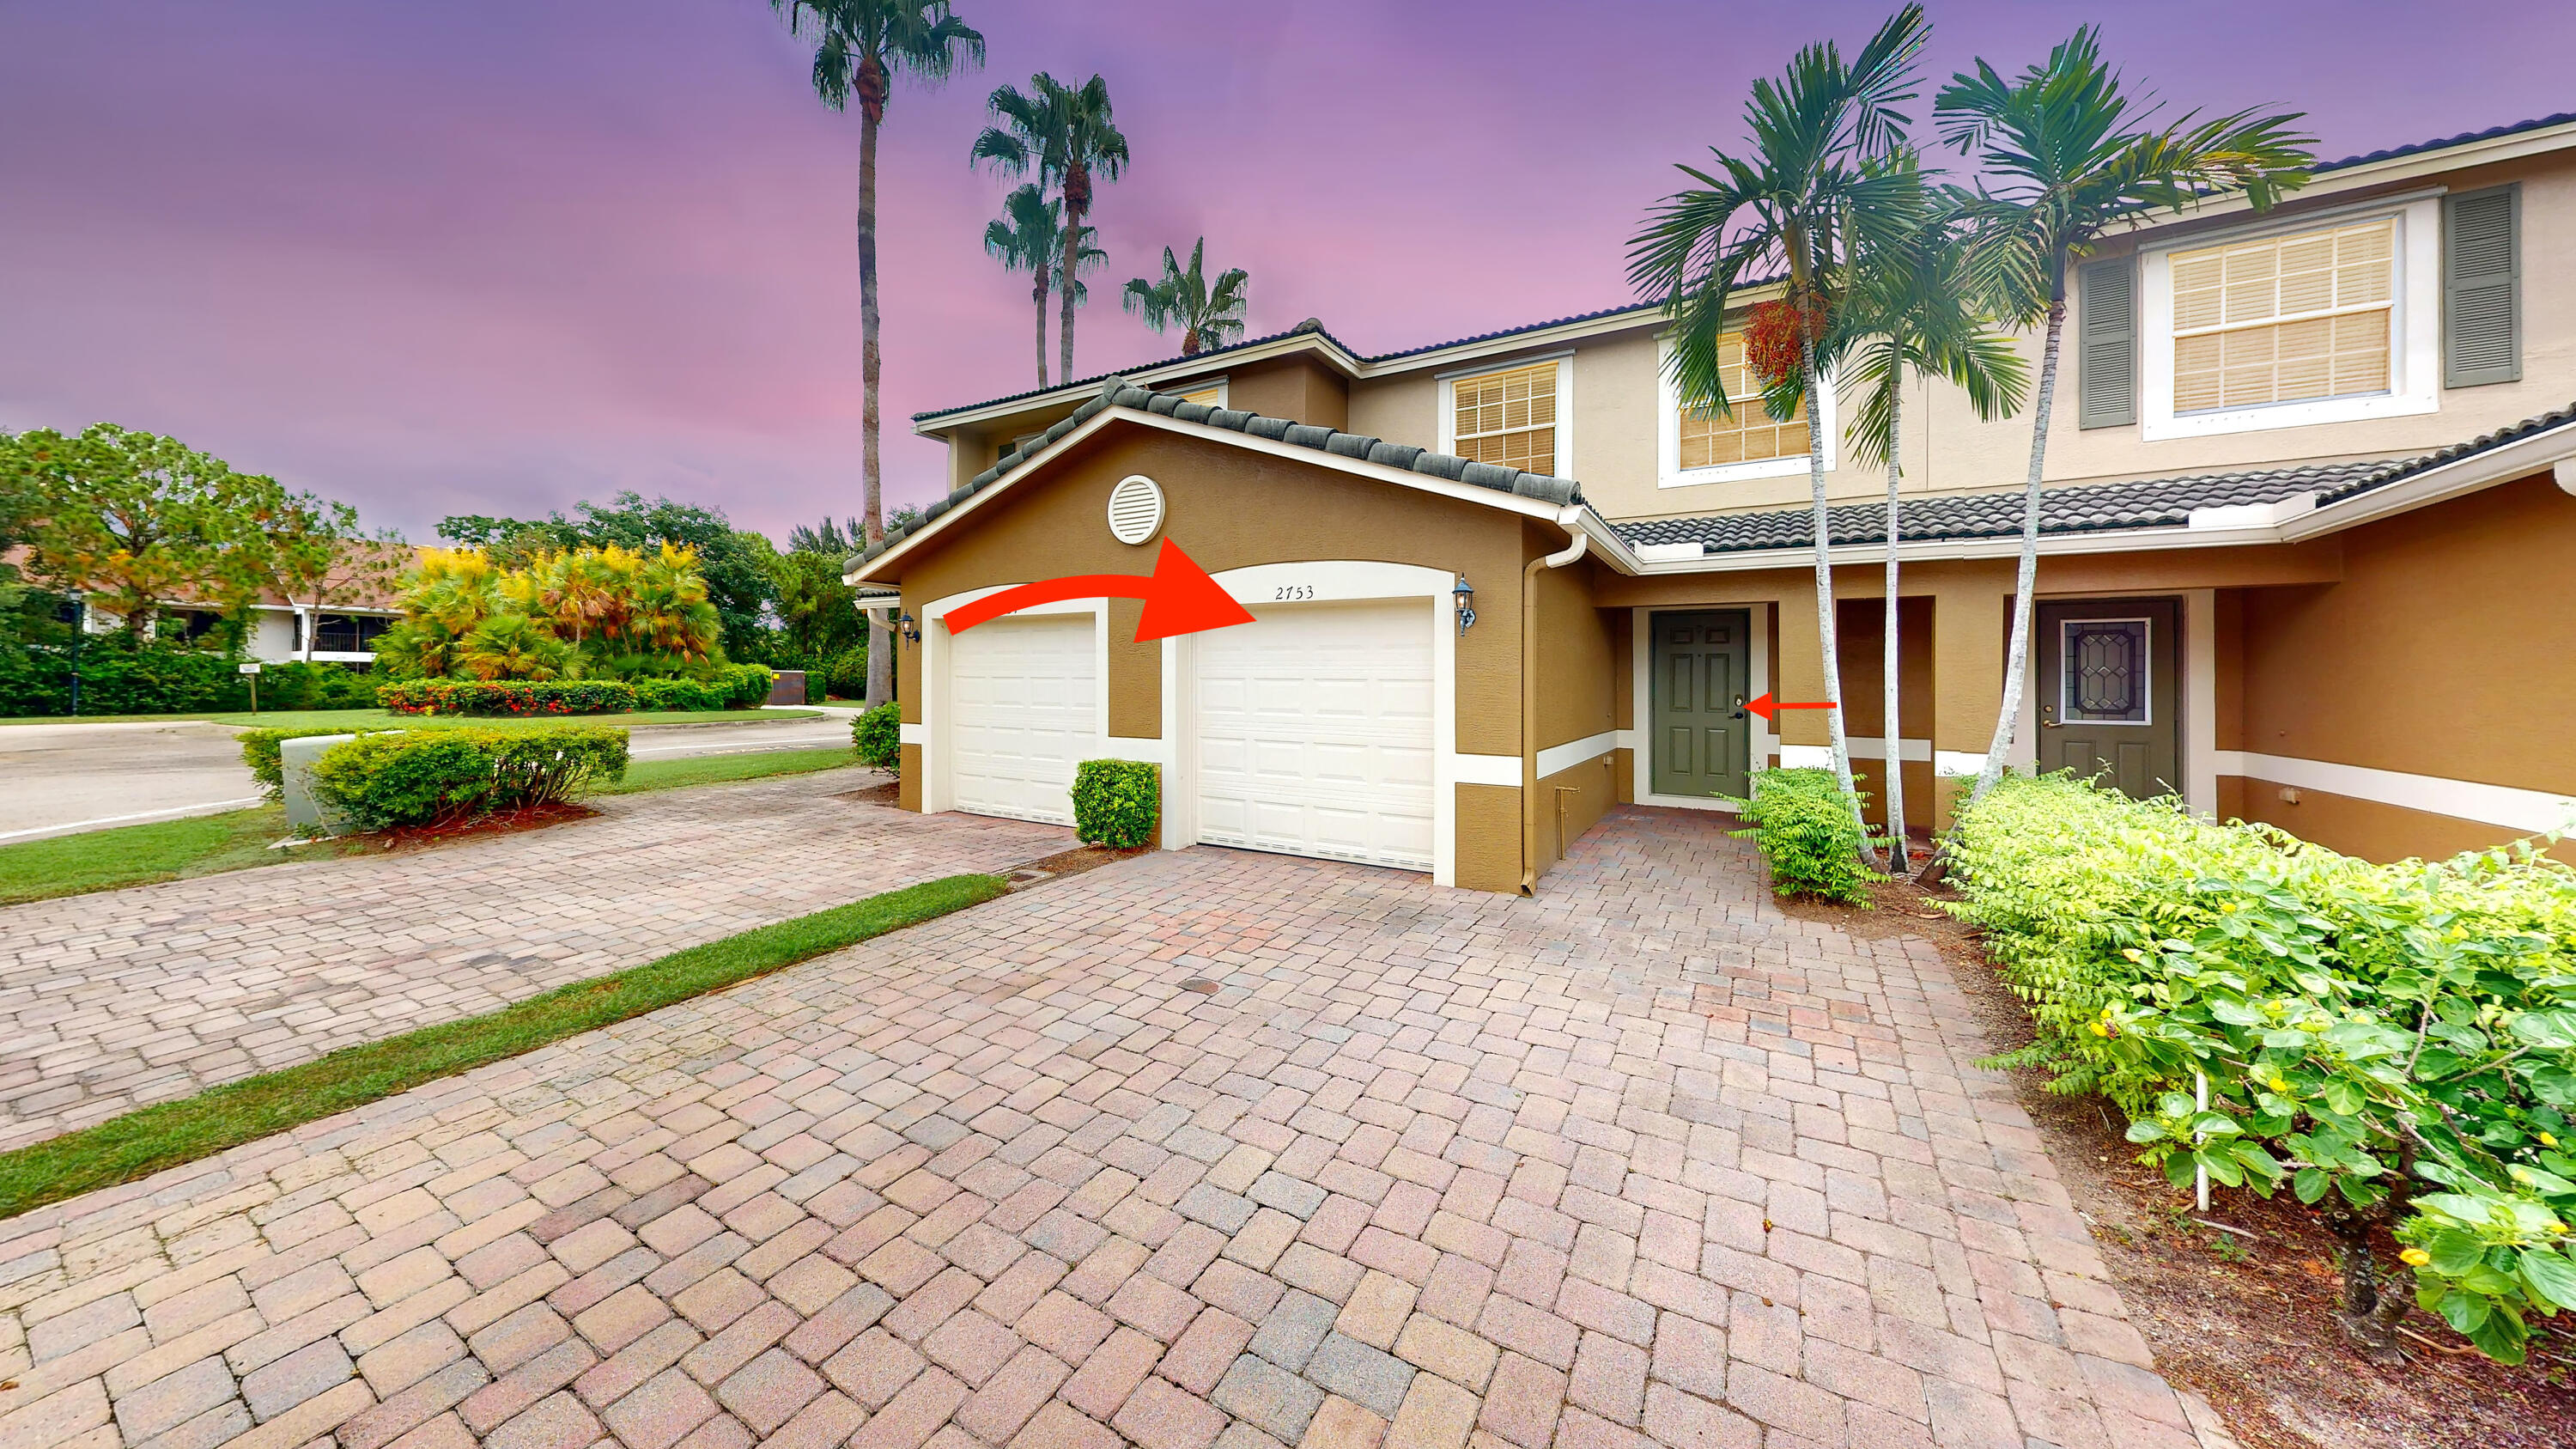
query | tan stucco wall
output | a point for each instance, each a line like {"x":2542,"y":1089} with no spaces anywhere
{"x":1570,"y":802}
{"x":1290,"y":387}
{"x":1578,"y":665}
{"x":2365,"y":828}
{"x":2444,"y":651}
{"x":1489,"y":838}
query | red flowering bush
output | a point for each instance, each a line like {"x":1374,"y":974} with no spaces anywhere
{"x":1771,"y":338}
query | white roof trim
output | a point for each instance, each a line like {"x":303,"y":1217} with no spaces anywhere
{"x":1295,"y":453}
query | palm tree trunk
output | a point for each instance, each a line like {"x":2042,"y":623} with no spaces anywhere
{"x":1038,"y":293}
{"x":1894,"y":761}
{"x":1073,"y":214}
{"x":1825,"y":586}
{"x":871,"y":374}
{"x":2026,"y":580}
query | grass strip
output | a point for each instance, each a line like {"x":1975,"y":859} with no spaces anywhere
{"x":146,"y":1141}
{"x":131,"y":855}
{"x":644,"y":775}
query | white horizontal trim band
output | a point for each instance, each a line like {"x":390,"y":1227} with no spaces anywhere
{"x":1486,"y":770}
{"x":909,"y":733}
{"x":1865,"y":747}
{"x":1137,"y":747}
{"x":2503,"y":805}
{"x":1806,"y":757}
{"x":1957,"y":764}
{"x":1576,"y":752}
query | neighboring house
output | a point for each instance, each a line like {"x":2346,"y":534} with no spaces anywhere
{"x":2307,"y":558}
{"x":342,"y":631}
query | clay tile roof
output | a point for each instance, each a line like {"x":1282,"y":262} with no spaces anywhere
{"x":1118,"y":392}
{"x":2079,"y":508}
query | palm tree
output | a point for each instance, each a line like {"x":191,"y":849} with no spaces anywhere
{"x":2067,"y":163}
{"x":861,"y":45}
{"x":1208,"y":316}
{"x":1817,"y":184}
{"x":1910,"y":308}
{"x":1067,"y":135}
{"x":1029,"y":237}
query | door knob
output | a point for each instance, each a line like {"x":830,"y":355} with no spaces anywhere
{"x":1739,"y":708}
{"x":2048,"y":716}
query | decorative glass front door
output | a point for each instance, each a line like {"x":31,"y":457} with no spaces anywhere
{"x":2109,"y":707}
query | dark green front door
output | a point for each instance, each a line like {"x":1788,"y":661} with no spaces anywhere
{"x":2109,"y":697}
{"x":1703,"y":671}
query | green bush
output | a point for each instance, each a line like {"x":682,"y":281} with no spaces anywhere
{"x":745,"y":686}
{"x":846,"y":677}
{"x":1807,"y":832}
{"x":2397,"y":1042}
{"x":1117,"y":803}
{"x":261,"y":751}
{"x":878,"y":734}
{"x":436,"y":777}
{"x":691,"y":694}
{"x":121,"y":676}
{"x":509,"y":697}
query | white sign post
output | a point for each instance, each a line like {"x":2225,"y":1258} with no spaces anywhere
{"x":252,"y":669}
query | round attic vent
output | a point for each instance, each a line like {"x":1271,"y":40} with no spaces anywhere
{"x":1135,"y":509}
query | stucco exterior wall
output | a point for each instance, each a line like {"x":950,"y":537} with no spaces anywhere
{"x":1289,"y":387}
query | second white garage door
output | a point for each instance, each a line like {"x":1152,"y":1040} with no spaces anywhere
{"x":1024,"y":701}
{"x":1314,"y":732}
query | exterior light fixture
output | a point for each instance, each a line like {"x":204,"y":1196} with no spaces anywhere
{"x":1465,"y":594}
{"x":911,"y":628}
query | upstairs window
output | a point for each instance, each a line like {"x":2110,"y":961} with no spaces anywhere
{"x":2285,"y":319}
{"x":1702,"y":445}
{"x":1211,"y":393}
{"x":1509,"y":418}
{"x":2282,"y":324}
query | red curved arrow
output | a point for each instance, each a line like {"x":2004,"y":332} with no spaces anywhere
{"x":1765,"y":704}
{"x":1179,"y":598}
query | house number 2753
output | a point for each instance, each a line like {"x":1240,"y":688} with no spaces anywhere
{"x":1289,"y":592}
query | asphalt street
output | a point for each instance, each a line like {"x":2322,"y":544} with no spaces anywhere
{"x":58,"y":779}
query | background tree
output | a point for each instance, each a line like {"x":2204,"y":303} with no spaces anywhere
{"x":2063,"y":163}
{"x":818,"y":617}
{"x":1029,"y":237}
{"x":1818,"y":183}
{"x":137,"y":520}
{"x":1910,"y":309}
{"x":1207,"y":316}
{"x":734,"y":562}
{"x":1068,"y":136}
{"x":861,"y":46}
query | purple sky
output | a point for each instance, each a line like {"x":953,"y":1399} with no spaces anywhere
{"x":498,"y":255}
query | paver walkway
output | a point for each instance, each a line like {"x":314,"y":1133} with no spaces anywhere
{"x":1638,"y":1162}
{"x":108,"y":1002}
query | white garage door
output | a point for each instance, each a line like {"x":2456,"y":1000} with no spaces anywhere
{"x":1314,"y":732}
{"x":1024,"y":709}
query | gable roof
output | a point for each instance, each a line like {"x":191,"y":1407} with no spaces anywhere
{"x":1358,"y":447}
{"x":2073,"y":509}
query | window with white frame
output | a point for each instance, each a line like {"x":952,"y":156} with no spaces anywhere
{"x":1211,"y":393}
{"x":1515,"y":417}
{"x":2293,"y":325}
{"x":1702,"y":445}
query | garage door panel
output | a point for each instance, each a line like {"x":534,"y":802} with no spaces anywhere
{"x":1314,"y":733}
{"x":1024,"y":700}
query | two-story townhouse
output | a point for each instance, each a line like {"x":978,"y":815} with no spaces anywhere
{"x":2308,"y":556}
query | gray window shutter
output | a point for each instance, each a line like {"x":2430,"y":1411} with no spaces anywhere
{"x":2106,"y":344}
{"x":2482,"y":287}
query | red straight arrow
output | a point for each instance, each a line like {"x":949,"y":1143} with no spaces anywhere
{"x":1179,"y":598}
{"x":1764,"y":705}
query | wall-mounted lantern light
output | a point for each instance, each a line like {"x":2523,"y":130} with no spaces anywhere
{"x":911,"y":629}
{"x":1465,"y":594}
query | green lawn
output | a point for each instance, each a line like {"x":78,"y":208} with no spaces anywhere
{"x":717,"y":769}
{"x":140,"y":1143}
{"x":100,"y":860}
{"x":299,"y":719}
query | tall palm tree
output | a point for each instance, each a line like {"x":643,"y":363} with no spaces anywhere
{"x":1068,"y":136}
{"x":1817,"y":184}
{"x":1911,"y":309}
{"x":860,"y":47}
{"x":1207,"y":316}
{"x":2065,"y":162}
{"x":1029,"y":237}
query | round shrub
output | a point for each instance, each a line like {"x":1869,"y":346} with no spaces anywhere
{"x":1117,"y":803}
{"x":1804,"y":825}
{"x":878,"y":734}
{"x":437,"y":777}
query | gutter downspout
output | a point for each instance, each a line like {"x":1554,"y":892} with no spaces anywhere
{"x":1567,"y":518}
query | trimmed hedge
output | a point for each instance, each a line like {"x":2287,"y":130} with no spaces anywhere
{"x":382,"y":780}
{"x":2395,"y":1043}
{"x":1804,"y":825}
{"x":745,"y":686}
{"x":262,"y":752}
{"x":878,"y":734}
{"x":510,"y":697}
{"x":1117,"y":803}
{"x":118,"y":677}
{"x":690,"y":694}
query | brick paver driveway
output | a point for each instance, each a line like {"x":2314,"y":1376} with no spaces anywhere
{"x":111,"y":1001}
{"x":1641,"y":1161}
